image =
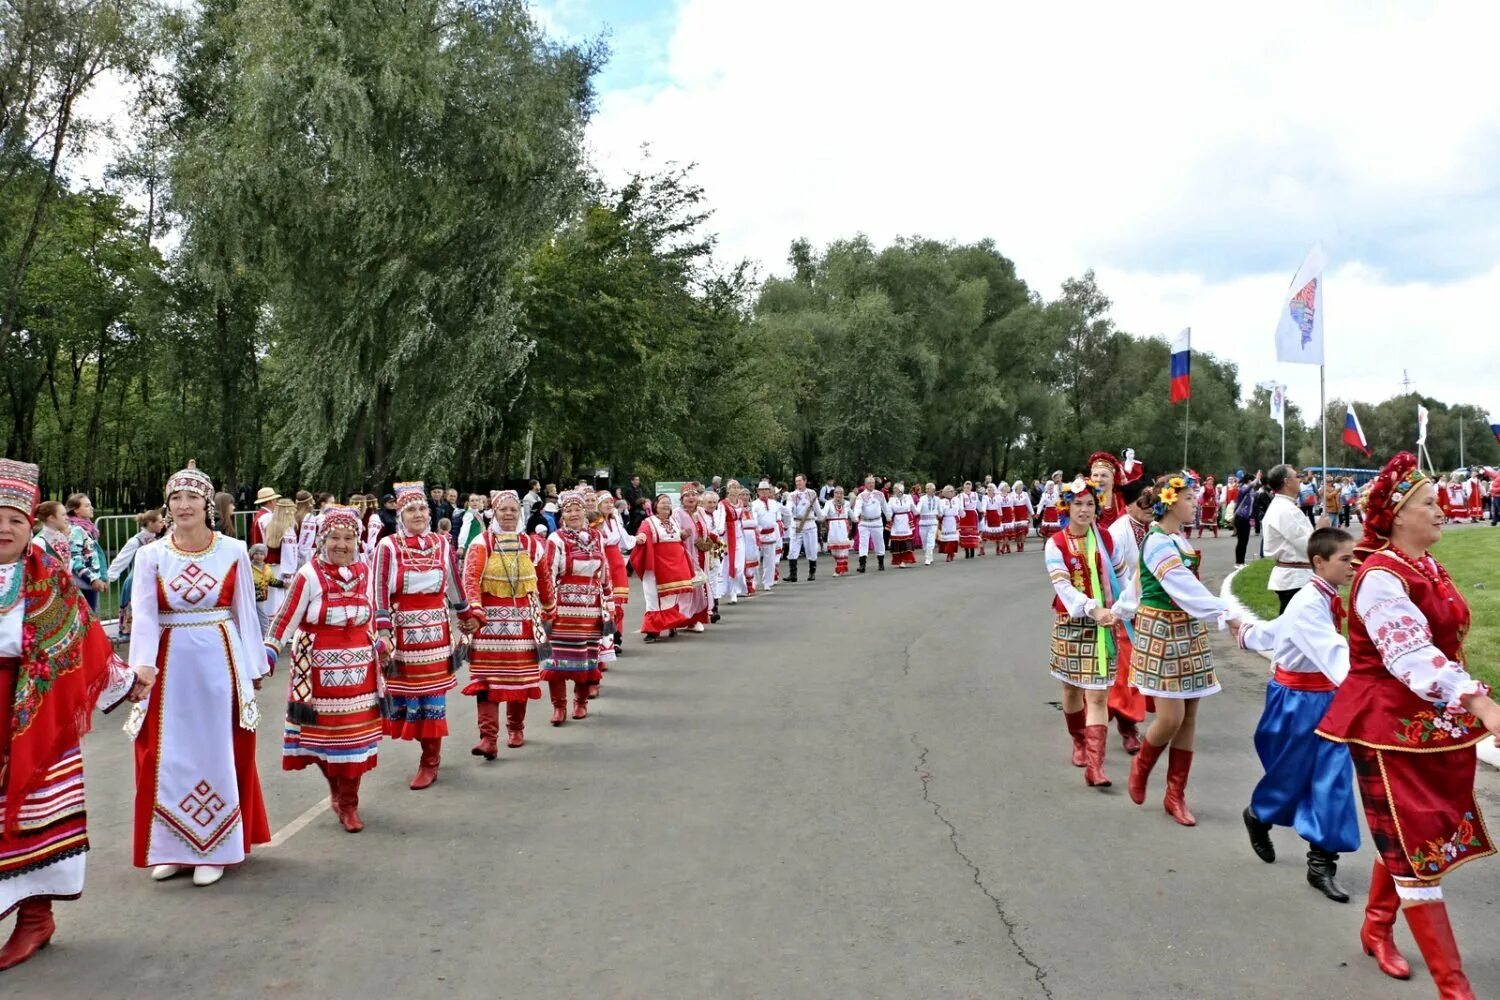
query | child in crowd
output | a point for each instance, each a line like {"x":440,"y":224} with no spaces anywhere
{"x":1309,"y":781}
{"x":53,"y":538}
{"x":264,"y":578}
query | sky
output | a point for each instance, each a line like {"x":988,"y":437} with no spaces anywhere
{"x":1189,"y":154}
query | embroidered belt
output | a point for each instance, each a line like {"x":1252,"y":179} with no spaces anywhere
{"x":1292,"y":565}
{"x":1298,"y":680}
{"x":190,"y":619}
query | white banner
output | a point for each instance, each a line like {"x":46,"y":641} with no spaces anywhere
{"x":1278,"y":404}
{"x":1421,"y":424}
{"x":1299,"y":328}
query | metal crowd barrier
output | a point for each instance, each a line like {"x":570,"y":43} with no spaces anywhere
{"x":117,"y":529}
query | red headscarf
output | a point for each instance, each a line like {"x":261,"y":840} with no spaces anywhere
{"x":1395,"y":484}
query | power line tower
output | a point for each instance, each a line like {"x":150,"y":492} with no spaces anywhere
{"x":1405,"y":383}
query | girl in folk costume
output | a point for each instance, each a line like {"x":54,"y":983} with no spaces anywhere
{"x":1023,"y":515}
{"x":584,"y":617}
{"x":948,"y":518}
{"x":509,"y":588}
{"x":1171,"y":660}
{"x":836,"y":515}
{"x":661,"y":562}
{"x":1051,"y":509}
{"x":750,"y":535}
{"x":1127,"y":706}
{"x":1208,"y":508}
{"x":731,"y":518}
{"x":53,"y":538}
{"x":333,"y":701}
{"x":711,"y":527}
{"x":1412,"y":714}
{"x":929,"y":513}
{"x":997,"y":513}
{"x":472,"y":523}
{"x":616,"y":543}
{"x":1106,"y":473}
{"x":56,"y":668}
{"x":1091,"y":609}
{"x":414,"y":581}
{"x":903,"y":527}
{"x":197,"y":793}
{"x":968,"y":521}
{"x":697,"y":602}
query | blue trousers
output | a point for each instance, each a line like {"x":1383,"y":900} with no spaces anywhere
{"x":1309,"y":781}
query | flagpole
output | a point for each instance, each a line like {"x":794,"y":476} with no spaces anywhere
{"x":1323,"y":406}
{"x":1283,"y":425}
{"x":1187,"y":419}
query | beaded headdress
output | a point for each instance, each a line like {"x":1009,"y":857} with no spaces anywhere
{"x":569,"y":497}
{"x":338,"y":517}
{"x":19,"y":487}
{"x":410,"y":495}
{"x":190,"y":481}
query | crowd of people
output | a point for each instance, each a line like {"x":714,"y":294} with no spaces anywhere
{"x":1379,"y":699}
{"x":378,"y":606}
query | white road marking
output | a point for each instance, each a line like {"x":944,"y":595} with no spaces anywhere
{"x":285,"y":833}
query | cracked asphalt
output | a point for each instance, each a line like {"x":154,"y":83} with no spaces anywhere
{"x":850,"y":788}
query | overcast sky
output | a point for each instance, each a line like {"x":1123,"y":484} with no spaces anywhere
{"x":1190,"y":154}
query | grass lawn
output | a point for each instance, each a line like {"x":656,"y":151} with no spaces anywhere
{"x":1471,"y":556}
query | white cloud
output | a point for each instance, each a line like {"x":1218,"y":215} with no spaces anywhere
{"x":1189,"y":153}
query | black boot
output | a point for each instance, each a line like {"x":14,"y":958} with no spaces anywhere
{"x":880,"y":562}
{"x":861,"y":564}
{"x":1322,"y":866}
{"x":791,"y":574}
{"x":1260,"y":838}
{"x":812,"y":570}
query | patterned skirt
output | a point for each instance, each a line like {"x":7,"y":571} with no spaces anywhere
{"x":333,"y":696}
{"x":418,"y":692}
{"x":1073,"y":652}
{"x":503,"y":663}
{"x":1171,"y":657}
{"x":1421,"y":810}
{"x":577,"y":632}
{"x":968,"y":529}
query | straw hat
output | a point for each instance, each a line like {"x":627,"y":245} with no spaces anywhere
{"x":266,"y":495}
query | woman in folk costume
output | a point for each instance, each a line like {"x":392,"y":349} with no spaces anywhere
{"x":661,"y":561}
{"x":617,"y":542}
{"x":836,"y":515}
{"x":1024,"y":514}
{"x":903,"y":527}
{"x":414,"y":581}
{"x":471,"y":524}
{"x":56,"y":668}
{"x":1091,"y":610}
{"x":276,"y":527}
{"x":968,"y":521}
{"x":711,"y":527}
{"x":1412,"y":714}
{"x":749,"y":535}
{"x":1476,"y":496}
{"x":583,"y":622}
{"x":1051,"y":510}
{"x":1106,"y":473}
{"x":1458,"y":503}
{"x":1208,"y":508}
{"x":696,"y":604}
{"x":333,"y":701}
{"x":997,"y":512}
{"x":948,"y":519}
{"x":1127,"y":706}
{"x":508,"y":584}
{"x":729,"y":521}
{"x":1171,"y":660}
{"x":197,"y":793}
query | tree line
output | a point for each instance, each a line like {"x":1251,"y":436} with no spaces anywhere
{"x":339,"y":244}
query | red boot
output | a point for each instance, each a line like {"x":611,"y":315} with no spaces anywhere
{"x":1380,"y":917}
{"x":427,"y":768}
{"x":1130,"y":735}
{"x":348,"y":807}
{"x":489,"y":731}
{"x":1093,"y":747}
{"x":1179,"y":763}
{"x":580,"y":699}
{"x":559,"y":692}
{"x":1429,"y":925}
{"x":1074,"y":722}
{"x":1140,"y":770}
{"x":515,"y":724}
{"x":34,"y":928}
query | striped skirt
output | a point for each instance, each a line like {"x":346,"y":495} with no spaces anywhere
{"x":1171,"y":657}
{"x":418,"y":692}
{"x":333,"y":675}
{"x":576,"y":633}
{"x":503,"y":664}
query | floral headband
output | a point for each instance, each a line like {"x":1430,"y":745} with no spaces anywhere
{"x":1078,"y":488}
{"x":1170,"y":493}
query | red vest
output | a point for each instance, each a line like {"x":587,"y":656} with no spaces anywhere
{"x":1372,"y":706}
{"x":1078,"y":573}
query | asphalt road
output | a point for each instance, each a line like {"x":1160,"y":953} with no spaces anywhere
{"x":851,"y":788}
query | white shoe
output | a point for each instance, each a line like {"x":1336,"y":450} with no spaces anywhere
{"x":207,"y":875}
{"x":163,"y":872}
{"x":697,"y":626}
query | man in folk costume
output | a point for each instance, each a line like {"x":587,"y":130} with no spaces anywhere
{"x":803,"y":514}
{"x":56,"y":668}
{"x":929,"y":512}
{"x":1127,"y":706}
{"x":871,"y":512}
{"x":508,"y":585}
{"x":765,"y":513}
{"x":414,"y":582}
{"x":1106,"y":473}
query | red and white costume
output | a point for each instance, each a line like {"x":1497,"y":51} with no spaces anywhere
{"x":968,"y":520}
{"x":661,"y":561}
{"x":903,"y":515}
{"x":836,"y":515}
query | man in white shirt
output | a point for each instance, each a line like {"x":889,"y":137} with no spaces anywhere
{"x":765,"y":513}
{"x":871,"y":512}
{"x":929,"y":511}
{"x":802,"y":512}
{"x":1285,"y":535}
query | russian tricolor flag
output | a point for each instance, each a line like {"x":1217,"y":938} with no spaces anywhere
{"x":1182,"y":365}
{"x":1495,"y":426}
{"x":1354,"y":435}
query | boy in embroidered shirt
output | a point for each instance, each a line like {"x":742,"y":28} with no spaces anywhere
{"x":1309,"y":782}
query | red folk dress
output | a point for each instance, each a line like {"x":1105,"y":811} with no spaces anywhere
{"x":1415,"y":756}
{"x":506,"y":577}
{"x":413,"y":583}
{"x":333,"y":701}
